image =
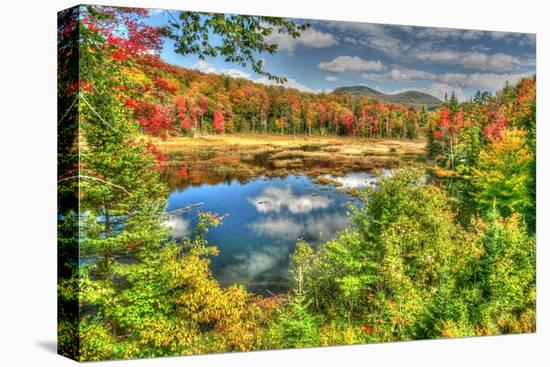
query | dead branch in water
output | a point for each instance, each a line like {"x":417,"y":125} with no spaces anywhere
{"x":185,"y":208}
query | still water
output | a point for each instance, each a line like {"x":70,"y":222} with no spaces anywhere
{"x":263,"y":219}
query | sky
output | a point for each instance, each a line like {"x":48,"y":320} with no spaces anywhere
{"x":389,"y":58}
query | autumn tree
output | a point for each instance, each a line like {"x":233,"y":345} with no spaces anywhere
{"x":295,"y":325}
{"x":388,"y":271}
{"x":503,"y":291}
{"x":449,"y":126}
{"x":218,"y":122}
{"x":502,"y":175}
{"x":122,"y":195}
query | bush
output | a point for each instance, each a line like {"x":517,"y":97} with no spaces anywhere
{"x":503,"y":175}
{"x":295,"y":326}
{"x":506,"y":273}
{"x":400,"y":258}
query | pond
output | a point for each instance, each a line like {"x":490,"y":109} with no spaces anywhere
{"x":263,"y":219}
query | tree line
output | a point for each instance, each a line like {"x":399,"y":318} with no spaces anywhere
{"x":171,"y":101}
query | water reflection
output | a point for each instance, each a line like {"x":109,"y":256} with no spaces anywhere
{"x":357,"y":180}
{"x":263,"y":220}
{"x":312,"y":229}
{"x":253,"y":264}
{"x":274,"y":199}
{"x":179,"y":227}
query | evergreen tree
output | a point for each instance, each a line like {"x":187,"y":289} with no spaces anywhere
{"x":502,"y":175}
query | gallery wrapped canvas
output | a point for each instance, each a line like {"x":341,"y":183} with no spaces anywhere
{"x":238,"y":183}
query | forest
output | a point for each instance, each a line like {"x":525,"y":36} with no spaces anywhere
{"x":443,"y":247}
{"x":175,"y":102}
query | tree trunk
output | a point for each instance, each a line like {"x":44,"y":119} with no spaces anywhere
{"x":452,"y":155}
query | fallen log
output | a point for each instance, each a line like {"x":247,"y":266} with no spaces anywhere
{"x":185,"y":208}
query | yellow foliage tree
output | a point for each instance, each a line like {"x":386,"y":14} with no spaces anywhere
{"x":502,"y":174}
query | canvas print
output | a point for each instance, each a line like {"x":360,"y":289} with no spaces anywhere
{"x":233,"y":183}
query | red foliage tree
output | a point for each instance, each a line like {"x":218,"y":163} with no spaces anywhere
{"x":183,"y":170}
{"x":127,"y":35}
{"x":495,"y":129}
{"x":157,"y":122}
{"x":449,"y":125}
{"x":182,"y":113}
{"x":202,"y":109}
{"x":164,"y":86}
{"x":348,"y":121}
{"x":218,"y":122}
{"x":160,"y":158}
{"x":131,"y":103}
{"x":322,"y":114}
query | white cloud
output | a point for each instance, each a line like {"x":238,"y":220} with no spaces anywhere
{"x":482,"y":61}
{"x":471,"y":60}
{"x":234,"y":73}
{"x":401,"y":74}
{"x":445,"y":33}
{"x":274,"y":199}
{"x":479,"y":48}
{"x":309,"y":38}
{"x":389,"y":45}
{"x":498,"y":35}
{"x":350,"y":64}
{"x":438,"y":90}
{"x":331,"y":78}
{"x":409,"y":74}
{"x":375,"y":36}
{"x":208,"y":68}
{"x":204,"y":66}
{"x":357,"y":27}
{"x":479,"y":80}
{"x":290,"y":83}
{"x":448,"y":81}
{"x":427,"y":44}
{"x":521,"y":39}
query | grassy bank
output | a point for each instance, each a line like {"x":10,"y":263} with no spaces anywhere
{"x":217,"y":158}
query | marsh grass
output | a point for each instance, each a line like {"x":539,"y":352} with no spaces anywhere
{"x":218,"y":158}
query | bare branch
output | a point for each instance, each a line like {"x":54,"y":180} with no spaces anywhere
{"x":97,"y":114}
{"x":97,"y":179}
{"x":68,"y":109}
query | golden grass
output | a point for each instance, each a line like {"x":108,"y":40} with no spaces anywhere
{"x":246,"y":155}
{"x":228,"y":160}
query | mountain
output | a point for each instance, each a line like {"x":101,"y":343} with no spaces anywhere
{"x":408,"y":98}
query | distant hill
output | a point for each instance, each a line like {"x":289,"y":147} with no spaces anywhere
{"x":409,"y":98}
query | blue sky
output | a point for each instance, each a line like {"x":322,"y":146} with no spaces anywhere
{"x":389,"y":58}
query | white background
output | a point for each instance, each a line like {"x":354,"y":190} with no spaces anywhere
{"x":28,"y":182}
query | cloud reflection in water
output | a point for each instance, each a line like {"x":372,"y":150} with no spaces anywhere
{"x":178,"y":226}
{"x":313,"y":229}
{"x":265,"y":219}
{"x":276,"y":199}
{"x":357,"y":180}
